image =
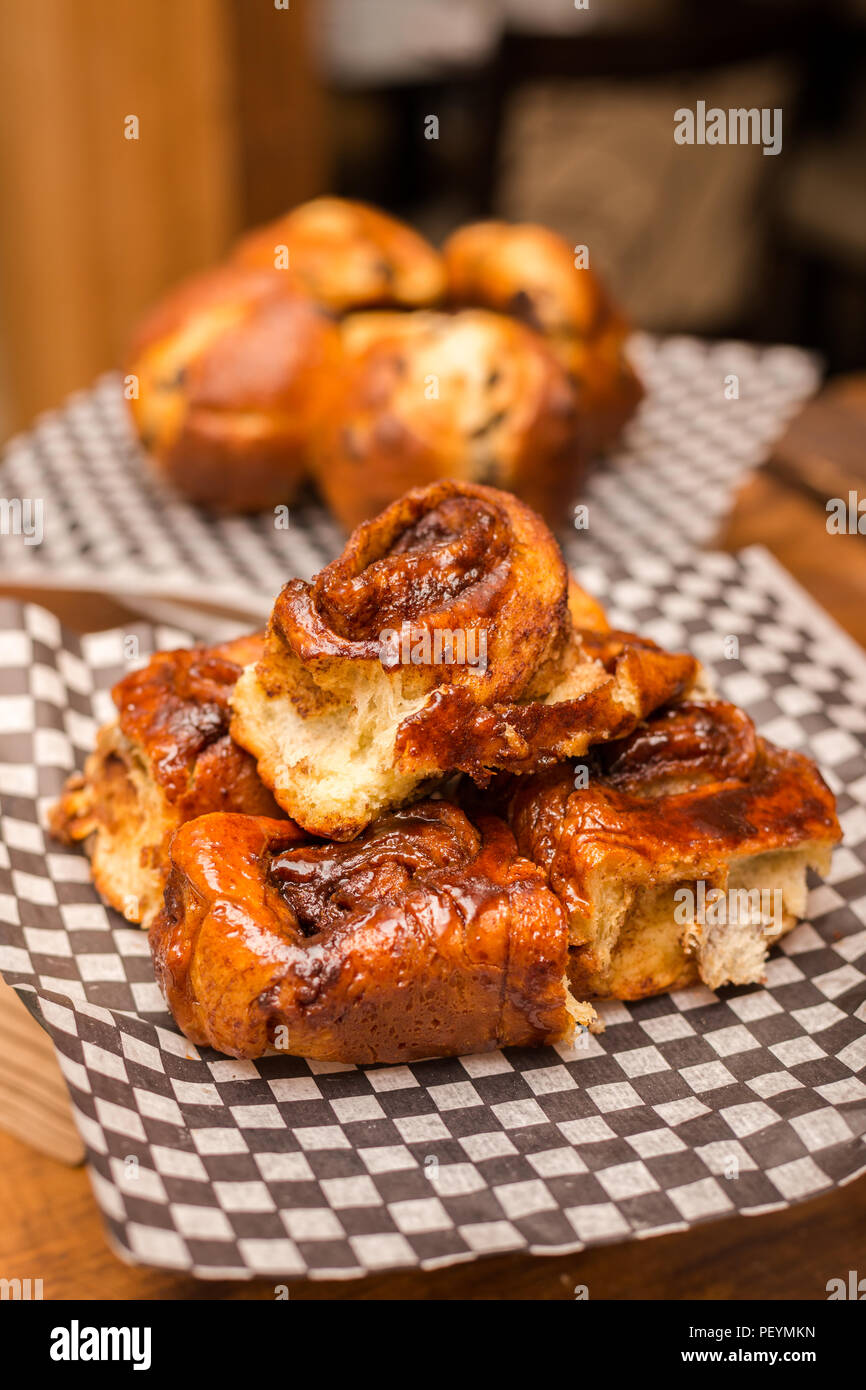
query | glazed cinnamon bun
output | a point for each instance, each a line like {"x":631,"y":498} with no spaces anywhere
{"x":679,"y":853}
{"x":428,"y":936}
{"x":165,"y":759}
{"x":443,"y":639}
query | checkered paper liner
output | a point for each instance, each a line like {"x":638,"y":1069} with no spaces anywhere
{"x":110,"y":524}
{"x":284,"y":1168}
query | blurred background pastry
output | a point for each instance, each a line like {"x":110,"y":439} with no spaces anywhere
{"x":338,"y":343}
{"x":530,"y":111}
{"x":347,"y":255}
{"x":224,"y":381}
{"x":532,"y":273}
{"x":473,"y":396}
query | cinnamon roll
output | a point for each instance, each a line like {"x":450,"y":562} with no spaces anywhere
{"x":679,"y":853}
{"x":165,"y":759}
{"x":346,"y":255}
{"x":230,"y":369}
{"x":429,"y":936}
{"x":443,"y":639}
{"x":530,"y":272}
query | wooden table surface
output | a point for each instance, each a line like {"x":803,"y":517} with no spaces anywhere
{"x":50,"y":1227}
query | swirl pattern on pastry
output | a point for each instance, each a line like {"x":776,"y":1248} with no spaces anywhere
{"x":442,"y":640}
{"x":691,"y":797}
{"x":428,"y":936}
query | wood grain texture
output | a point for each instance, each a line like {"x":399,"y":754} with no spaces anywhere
{"x":34,"y":1101}
{"x":792,"y":525}
{"x":283,"y":115}
{"x":51,"y":1230}
{"x":93,"y":226}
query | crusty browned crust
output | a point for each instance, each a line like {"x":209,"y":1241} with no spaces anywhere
{"x":176,"y":711}
{"x":609,"y":389}
{"x":348,"y":255}
{"x":474,"y":396}
{"x":342,"y":728}
{"x":451,"y":555}
{"x":692,"y":795}
{"x":429,"y":936}
{"x":231,"y":371}
{"x":166,"y":759}
{"x":529,"y":271}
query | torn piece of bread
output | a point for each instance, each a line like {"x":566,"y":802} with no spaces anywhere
{"x":165,"y":759}
{"x":443,"y":639}
{"x":679,"y":853}
{"x":428,"y":936}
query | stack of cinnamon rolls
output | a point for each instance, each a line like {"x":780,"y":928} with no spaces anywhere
{"x":440,"y":806}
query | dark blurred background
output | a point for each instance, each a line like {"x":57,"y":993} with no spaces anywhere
{"x":546,"y":112}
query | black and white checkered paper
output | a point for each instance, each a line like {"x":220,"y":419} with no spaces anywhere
{"x":111,"y":525}
{"x":690,"y":1106}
